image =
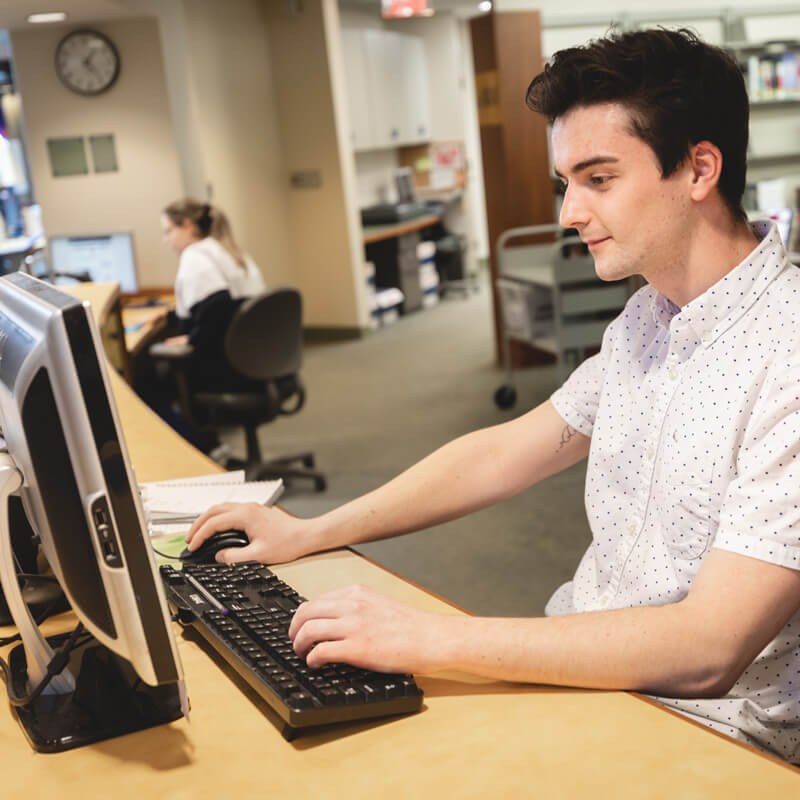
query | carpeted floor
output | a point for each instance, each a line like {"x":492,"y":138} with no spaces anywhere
{"x":377,"y":405}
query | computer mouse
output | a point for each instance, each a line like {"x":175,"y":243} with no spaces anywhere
{"x":211,"y":546}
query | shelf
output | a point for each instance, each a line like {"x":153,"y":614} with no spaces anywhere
{"x":788,"y":102}
{"x":772,"y":158}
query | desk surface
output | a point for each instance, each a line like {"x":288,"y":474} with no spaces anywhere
{"x":473,"y":738}
{"x":376,"y":233}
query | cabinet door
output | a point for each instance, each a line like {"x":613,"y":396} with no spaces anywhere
{"x":358,"y":99}
{"x":385,"y":78}
{"x":418,"y":108}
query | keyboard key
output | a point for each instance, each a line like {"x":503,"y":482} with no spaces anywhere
{"x":330,"y":696}
{"x":300,"y":700}
{"x":352,"y":697}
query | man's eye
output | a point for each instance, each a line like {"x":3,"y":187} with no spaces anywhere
{"x":599,"y":180}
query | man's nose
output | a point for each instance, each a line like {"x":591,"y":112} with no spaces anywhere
{"x":574,"y":213}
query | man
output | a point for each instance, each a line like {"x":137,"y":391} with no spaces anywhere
{"x":690,"y":417}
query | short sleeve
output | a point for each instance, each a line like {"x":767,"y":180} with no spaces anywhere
{"x":578,"y":398}
{"x":760,"y":514}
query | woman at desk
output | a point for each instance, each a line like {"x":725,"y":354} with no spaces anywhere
{"x":214,"y":276}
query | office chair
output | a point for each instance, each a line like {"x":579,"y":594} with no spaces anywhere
{"x":263,"y":348}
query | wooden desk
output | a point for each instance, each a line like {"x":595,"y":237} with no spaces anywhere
{"x":106,"y":305}
{"x":377,"y":233}
{"x":473,"y":739}
{"x":393,"y":251}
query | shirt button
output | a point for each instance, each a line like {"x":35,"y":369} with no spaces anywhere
{"x":650,"y":453}
{"x":604,"y":601}
{"x":673,"y":374}
{"x":631,"y":529}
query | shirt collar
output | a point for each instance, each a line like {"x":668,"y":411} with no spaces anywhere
{"x":713,"y":312}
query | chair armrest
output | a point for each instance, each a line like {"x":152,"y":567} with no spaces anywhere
{"x":173,"y":352}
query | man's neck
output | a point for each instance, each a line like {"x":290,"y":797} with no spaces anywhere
{"x":713,"y":248}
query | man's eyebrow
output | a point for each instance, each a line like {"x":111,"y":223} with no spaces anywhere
{"x":589,"y":162}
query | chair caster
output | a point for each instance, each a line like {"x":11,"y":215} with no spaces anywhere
{"x":505,"y":396}
{"x":308,"y":461}
{"x":320,"y":484}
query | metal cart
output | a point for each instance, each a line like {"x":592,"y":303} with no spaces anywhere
{"x":551,"y":298}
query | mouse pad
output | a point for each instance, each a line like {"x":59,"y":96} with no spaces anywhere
{"x":169,"y":549}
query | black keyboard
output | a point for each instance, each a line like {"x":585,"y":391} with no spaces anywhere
{"x":244,"y":611}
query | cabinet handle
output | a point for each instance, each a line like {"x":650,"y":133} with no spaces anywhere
{"x":395,"y":133}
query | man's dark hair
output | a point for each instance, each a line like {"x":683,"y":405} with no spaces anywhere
{"x":678,"y":90}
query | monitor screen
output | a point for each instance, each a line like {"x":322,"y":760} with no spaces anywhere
{"x":106,"y":257}
{"x":62,"y":431}
{"x":404,"y":183}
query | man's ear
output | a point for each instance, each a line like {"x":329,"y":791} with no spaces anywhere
{"x":705,"y":160}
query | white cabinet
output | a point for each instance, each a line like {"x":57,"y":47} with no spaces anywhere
{"x":387,"y":88}
{"x":355,"y":66}
{"x":418,"y":97}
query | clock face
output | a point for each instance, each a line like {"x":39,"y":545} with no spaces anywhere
{"x":87,"y":62}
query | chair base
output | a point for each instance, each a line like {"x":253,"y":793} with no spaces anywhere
{"x":282,"y":468}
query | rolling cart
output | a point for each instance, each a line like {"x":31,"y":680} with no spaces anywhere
{"x":551,"y":298}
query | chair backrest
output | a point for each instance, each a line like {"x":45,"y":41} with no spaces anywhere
{"x":264,"y":339}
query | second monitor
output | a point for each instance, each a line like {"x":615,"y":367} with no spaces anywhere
{"x":104,"y":257}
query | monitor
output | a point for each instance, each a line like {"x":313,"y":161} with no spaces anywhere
{"x":65,"y":446}
{"x":106,"y":257}
{"x":404,"y":183}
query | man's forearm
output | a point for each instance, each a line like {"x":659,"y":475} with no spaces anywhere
{"x":647,"y":649}
{"x":469,"y":473}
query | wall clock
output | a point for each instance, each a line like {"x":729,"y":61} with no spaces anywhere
{"x":87,"y":62}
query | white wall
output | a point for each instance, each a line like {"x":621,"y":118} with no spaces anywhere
{"x":136,"y":111}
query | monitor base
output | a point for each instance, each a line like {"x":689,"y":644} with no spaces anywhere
{"x":109,"y":700}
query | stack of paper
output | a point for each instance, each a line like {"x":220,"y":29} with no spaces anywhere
{"x":171,"y":506}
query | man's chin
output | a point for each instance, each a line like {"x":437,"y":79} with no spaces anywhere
{"x":610,"y":272}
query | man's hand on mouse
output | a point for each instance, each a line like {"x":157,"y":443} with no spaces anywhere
{"x":275,"y":536}
{"x":362,"y":627}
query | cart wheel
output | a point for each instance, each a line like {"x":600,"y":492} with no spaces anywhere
{"x":505,"y":396}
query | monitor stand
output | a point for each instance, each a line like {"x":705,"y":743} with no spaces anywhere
{"x":41,"y":594}
{"x":97,"y":696}
{"x":109,"y":700}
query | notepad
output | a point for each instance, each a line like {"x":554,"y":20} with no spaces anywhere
{"x":171,"y":506}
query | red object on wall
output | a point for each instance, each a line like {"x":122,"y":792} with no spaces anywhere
{"x":405,"y":8}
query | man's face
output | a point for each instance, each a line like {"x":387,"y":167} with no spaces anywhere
{"x":633,"y":220}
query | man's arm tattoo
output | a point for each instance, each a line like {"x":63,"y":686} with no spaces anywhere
{"x":566,"y":435}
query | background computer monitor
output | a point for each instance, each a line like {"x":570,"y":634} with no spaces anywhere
{"x":62,"y":431}
{"x":404,"y":183}
{"x":104,"y":257}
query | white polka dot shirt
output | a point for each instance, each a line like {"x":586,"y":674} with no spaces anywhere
{"x":694,"y":417}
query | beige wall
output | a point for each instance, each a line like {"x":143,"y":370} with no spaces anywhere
{"x":249,"y":88}
{"x":136,"y":111}
{"x":235,"y":126}
{"x":321,"y":222}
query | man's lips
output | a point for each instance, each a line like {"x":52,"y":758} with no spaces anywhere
{"x":590,"y":243}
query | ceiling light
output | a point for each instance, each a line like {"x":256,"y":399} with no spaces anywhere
{"x":50,"y":16}
{"x":485,"y":5}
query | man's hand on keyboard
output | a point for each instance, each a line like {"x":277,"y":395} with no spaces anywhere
{"x":275,"y":535}
{"x":359,"y":626}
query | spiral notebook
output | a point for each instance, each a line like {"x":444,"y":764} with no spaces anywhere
{"x":171,"y":506}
